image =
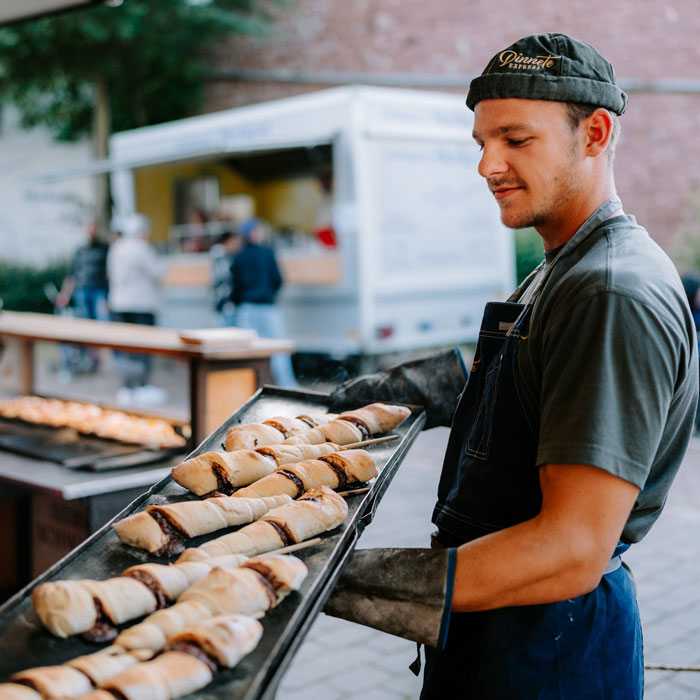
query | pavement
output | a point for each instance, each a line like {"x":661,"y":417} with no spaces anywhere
{"x":339,"y":660}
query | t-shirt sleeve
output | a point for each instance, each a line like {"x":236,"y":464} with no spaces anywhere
{"x":609,"y":367}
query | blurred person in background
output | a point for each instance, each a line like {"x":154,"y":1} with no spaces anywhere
{"x":222,"y":275}
{"x":135,"y":275}
{"x":86,"y":286}
{"x":256,"y":280}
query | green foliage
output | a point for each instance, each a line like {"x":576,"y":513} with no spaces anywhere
{"x":685,"y":251}
{"x":148,"y":53}
{"x":529,"y":252}
{"x":22,"y":286}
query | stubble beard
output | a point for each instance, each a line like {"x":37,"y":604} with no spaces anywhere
{"x":559,"y":191}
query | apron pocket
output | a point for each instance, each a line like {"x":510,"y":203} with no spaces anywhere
{"x":478,"y":442}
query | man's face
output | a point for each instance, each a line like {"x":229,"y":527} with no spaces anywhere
{"x":531,"y":159}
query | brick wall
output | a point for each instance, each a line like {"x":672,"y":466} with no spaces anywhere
{"x":658,"y":162}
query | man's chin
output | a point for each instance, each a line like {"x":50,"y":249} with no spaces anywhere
{"x":518,"y":220}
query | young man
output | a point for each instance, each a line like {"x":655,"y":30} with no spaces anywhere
{"x":578,"y":409}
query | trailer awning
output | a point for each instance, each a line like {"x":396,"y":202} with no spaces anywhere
{"x":18,"y":10}
{"x":108,"y":165}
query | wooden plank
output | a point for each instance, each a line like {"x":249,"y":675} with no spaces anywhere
{"x":27,"y":366}
{"x":226,"y":391}
{"x":128,"y":336}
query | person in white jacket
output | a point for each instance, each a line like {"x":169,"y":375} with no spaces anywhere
{"x":135,"y":275}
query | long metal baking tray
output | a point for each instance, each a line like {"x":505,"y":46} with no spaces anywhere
{"x":76,"y":450}
{"x":25,"y":643}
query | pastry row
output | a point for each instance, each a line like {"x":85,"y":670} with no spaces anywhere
{"x":92,"y":420}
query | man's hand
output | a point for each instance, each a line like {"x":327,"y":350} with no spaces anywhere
{"x":559,"y":554}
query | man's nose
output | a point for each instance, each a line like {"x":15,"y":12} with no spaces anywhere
{"x":492,"y":162}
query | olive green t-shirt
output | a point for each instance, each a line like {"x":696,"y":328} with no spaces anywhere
{"x":608,"y":373}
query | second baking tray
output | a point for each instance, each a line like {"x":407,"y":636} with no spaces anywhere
{"x":26,"y":643}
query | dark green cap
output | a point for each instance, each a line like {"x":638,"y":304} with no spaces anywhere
{"x":549,"y":67}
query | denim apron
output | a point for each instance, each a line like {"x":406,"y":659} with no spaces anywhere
{"x":588,"y":647}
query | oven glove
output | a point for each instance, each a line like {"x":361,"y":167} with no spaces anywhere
{"x":404,"y":592}
{"x":434,"y":382}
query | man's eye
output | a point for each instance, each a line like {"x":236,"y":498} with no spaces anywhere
{"x":516,"y":143}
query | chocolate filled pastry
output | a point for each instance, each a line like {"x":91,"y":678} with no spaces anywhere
{"x":338,"y":431}
{"x":17,"y":691}
{"x":367,"y":421}
{"x":317,"y":510}
{"x":225,"y":638}
{"x":162,"y":530}
{"x":226,"y":471}
{"x":271,"y":431}
{"x":73,"y":607}
{"x":250,"y":590}
{"x":170,"y":675}
{"x":190,"y":660}
{"x":104,"y":664}
{"x":93,"y":608}
{"x":377,"y":417}
{"x":54,"y":681}
{"x":335,"y":470}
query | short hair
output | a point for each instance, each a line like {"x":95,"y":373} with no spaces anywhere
{"x":576,"y":112}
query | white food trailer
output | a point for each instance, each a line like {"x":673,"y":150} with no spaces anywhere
{"x":420,"y":247}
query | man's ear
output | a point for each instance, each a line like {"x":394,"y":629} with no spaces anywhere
{"x":598,"y":128}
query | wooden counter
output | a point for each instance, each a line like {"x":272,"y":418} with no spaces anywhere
{"x":226,"y":366}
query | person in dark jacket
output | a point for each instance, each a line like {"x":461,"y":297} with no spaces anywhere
{"x":87,"y":283}
{"x":86,"y":286}
{"x":256,"y":280}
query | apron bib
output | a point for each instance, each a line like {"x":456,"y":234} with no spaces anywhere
{"x":589,"y":647}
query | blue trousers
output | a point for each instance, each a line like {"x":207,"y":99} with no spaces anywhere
{"x":267,"y":320}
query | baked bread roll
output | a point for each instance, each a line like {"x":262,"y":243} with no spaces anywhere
{"x":189,"y":660}
{"x":251,"y":590}
{"x":216,"y":471}
{"x":65,"y":607}
{"x":251,"y":435}
{"x":170,"y":675}
{"x":121,"y":598}
{"x":104,"y":664}
{"x":286,"y":573}
{"x":367,"y":421}
{"x":287,"y":426}
{"x":337,"y":431}
{"x":318,"y":510}
{"x":315,"y":419}
{"x":377,"y":417}
{"x":165,"y":582}
{"x":256,"y":538}
{"x":54,"y":681}
{"x":154,"y":631}
{"x":98,"y":695}
{"x":232,"y":590}
{"x":225,"y":638}
{"x":179,"y":521}
{"x":15,"y":691}
{"x":94,"y":607}
{"x":335,"y":470}
{"x":273,"y":431}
